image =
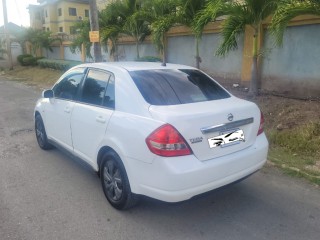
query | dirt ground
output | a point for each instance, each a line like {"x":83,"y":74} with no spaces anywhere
{"x":284,"y":113}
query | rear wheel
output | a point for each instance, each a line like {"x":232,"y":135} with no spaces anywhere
{"x":41,"y":134}
{"x":115,"y":183}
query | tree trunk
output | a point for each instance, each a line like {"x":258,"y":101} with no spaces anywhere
{"x":94,"y":24}
{"x":137,"y":48}
{"x":164,"y":56}
{"x":254,"y":68}
{"x":198,"y":59}
{"x":116,"y":56}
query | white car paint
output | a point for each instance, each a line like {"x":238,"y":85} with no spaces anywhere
{"x":84,"y":129}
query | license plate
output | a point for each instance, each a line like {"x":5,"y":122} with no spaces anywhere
{"x":228,"y":138}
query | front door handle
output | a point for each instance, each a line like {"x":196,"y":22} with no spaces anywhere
{"x":100,"y":119}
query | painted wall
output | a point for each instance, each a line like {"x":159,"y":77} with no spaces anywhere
{"x":128,"y":52}
{"x":16,"y":50}
{"x":294,"y":68}
{"x":52,"y":55}
{"x":181,"y":49}
{"x":68,"y":55}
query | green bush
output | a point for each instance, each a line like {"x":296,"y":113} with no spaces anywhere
{"x":29,"y":61}
{"x":148,"y":59}
{"x":57,"y":64}
{"x":21,"y":57}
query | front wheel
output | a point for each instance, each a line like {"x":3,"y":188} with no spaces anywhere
{"x":41,"y":134}
{"x":115,"y":183}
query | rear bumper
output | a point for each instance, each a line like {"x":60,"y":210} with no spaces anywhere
{"x":180,"y":178}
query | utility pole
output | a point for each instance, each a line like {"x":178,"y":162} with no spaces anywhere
{"x":6,"y":32}
{"x":94,"y":25}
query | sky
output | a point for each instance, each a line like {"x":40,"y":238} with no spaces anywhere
{"x":17,"y":11}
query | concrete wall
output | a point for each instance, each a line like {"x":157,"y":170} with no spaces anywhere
{"x":128,"y":52}
{"x":293,"y":69}
{"x":68,"y":55}
{"x":52,"y":55}
{"x":181,"y":49}
{"x":16,"y":50}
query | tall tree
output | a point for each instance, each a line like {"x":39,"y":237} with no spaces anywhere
{"x":288,"y":10}
{"x":112,"y":20}
{"x":94,"y":25}
{"x":126,"y":18}
{"x":189,"y":11}
{"x":162,"y":14}
{"x":82,"y":38}
{"x":239,"y":14}
{"x":39,"y":39}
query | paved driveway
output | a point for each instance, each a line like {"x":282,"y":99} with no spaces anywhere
{"x":47,"y":195}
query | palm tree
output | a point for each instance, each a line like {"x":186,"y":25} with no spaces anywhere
{"x":111,"y":21}
{"x":189,"y":11}
{"x":162,"y":14}
{"x":289,"y":10}
{"x":137,"y":27}
{"x":239,"y":14}
{"x":82,"y":38}
{"x":124,"y":17}
{"x":38,"y":38}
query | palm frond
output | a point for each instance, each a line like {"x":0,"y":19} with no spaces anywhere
{"x":159,"y":28}
{"x":288,"y":11}
{"x":232,"y":27}
{"x":212,"y":10}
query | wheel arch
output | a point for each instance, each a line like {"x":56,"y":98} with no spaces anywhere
{"x":36,"y":113}
{"x":103,"y":150}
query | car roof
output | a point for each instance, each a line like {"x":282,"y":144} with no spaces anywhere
{"x":132,"y":66}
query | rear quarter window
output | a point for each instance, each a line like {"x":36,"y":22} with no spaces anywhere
{"x":172,"y":87}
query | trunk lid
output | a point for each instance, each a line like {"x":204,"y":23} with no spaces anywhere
{"x":198,"y":122}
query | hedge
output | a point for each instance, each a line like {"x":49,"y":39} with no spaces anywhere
{"x":28,"y":60}
{"x":57,"y":64}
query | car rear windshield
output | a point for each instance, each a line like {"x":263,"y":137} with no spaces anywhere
{"x":172,"y":86}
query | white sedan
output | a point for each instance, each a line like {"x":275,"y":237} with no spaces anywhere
{"x":152,"y":130}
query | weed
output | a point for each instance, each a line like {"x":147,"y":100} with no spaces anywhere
{"x":303,"y":139}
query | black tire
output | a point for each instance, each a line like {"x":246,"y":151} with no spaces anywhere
{"x":41,"y":134}
{"x":115,"y":183}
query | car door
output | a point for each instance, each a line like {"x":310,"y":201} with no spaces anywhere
{"x":59,"y":109}
{"x":91,"y":114}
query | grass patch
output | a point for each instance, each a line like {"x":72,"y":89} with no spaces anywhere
{"x":297,"y":151}
{"x":42,"y":78}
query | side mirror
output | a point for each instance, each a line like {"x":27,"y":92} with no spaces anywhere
{"x":47,"y":94}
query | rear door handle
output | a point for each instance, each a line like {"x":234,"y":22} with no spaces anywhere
{"x":100,"y":119}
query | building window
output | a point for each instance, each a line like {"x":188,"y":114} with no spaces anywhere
{"x":60,"y":29}
{"x":72,"y":12}
{"x":59,"y":12}
{"x":46,"y":13}
{"x":48,"y":29}
{"x":43,"y":29}
{"x":86,"y":13}
{"x":73,"y":30}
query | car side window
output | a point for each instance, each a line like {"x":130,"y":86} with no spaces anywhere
{"x":95,"y":87}
{"x":68,"y":86}
{"x":109,"y":98}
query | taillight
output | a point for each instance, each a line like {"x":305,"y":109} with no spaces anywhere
{"x":261,"y":126}
{"x":166,"y":141}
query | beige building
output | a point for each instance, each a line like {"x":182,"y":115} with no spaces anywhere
{"x":58,"y":15}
